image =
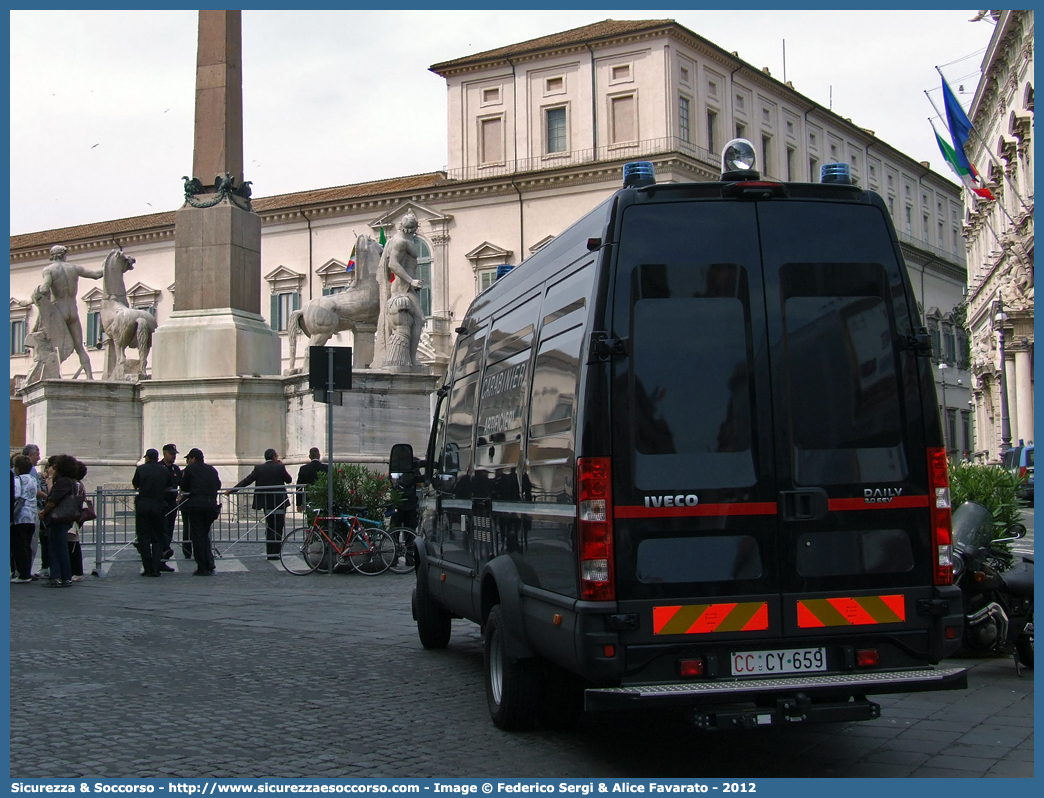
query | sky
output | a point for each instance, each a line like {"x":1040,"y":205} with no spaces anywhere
{"x":102,"y":101}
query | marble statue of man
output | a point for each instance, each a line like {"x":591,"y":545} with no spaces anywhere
{"x":399,"y":261}
{"x":60,"y":281}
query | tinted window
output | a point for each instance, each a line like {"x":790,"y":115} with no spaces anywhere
{"x":840,"y":355}
{"x":692,"y":402}
{"x":849,"y":552}
{"x":716,"y":558}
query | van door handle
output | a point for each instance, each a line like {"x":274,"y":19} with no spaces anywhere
{"x":809,"y":504}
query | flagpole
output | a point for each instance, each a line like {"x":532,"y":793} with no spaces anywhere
{"x":996,"y":160}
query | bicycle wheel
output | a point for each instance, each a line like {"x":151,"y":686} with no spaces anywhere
{"x":302,"y":550}
{"x":405,"y":559}
{"x":371,"y":554}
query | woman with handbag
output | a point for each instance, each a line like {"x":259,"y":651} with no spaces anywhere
{"x":75,"y":552}
{"x":62,"y":509}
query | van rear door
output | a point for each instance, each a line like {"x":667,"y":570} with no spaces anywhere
{"x":769,"y":478}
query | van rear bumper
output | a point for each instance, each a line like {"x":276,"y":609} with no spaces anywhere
{"x":827,"y":686}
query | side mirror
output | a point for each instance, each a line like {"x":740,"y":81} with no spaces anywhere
{"x":1018,"y":530}
{"x":400,"y":465}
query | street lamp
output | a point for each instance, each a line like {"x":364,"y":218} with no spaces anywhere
{"x":1000,"y":318}
{"x":942,"y":378}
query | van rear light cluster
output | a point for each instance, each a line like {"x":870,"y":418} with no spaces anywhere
{"x":594,"y":507}
{"x":939,"y":508}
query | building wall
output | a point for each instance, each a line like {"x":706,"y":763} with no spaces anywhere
{"x":999,"y":236}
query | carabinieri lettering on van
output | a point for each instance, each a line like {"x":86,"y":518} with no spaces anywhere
{"x":880,"y":495}
{"x":677,"y":500}
{"x":506,"y":380}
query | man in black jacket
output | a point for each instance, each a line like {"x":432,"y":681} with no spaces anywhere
{"x":200,"y":484}
{"x":170,"y":514}
{"x":270,"y":497}
{"x":308,"y":474}
{"x":152,"y":481}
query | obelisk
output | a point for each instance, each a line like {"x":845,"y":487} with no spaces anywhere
{"x":216,"y":329}
{"x":216,"y":361}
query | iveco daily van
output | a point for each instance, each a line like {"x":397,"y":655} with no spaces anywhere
{"x":689,"y":455}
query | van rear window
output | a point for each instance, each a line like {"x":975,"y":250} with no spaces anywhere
{"x":713,"y":558}
{"x":840,"y":355}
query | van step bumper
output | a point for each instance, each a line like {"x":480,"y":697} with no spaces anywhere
{"x":832,"y":685}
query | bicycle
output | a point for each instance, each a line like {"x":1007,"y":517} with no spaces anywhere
{"x":369,"y":550}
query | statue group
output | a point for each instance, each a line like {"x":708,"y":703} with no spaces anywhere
{"x":386,"y":292}
{"x":57,"y":332}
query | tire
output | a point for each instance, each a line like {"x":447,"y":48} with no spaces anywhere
{"x":512,"y":684}
{"x":374,"y":557}
{"x":1024,"y":648}
{"x":405,"y":560}
{"x":434,"y":624}
{"x":302,"y":551}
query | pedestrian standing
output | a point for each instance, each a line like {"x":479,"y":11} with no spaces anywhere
{"x":200,"y":484}
{"x":23,"y":513}
{"x":60,"y":511}
{"x":308,"y":474}
{"x":75,"y":552}
{"x":270,"y":497}
{"x":152,"y":481}
{"x":170,"y":512}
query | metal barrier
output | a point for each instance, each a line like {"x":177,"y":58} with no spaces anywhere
{"x":239,"y":532}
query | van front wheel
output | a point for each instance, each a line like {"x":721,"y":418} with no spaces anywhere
{"x":512,"y":684}
{"x":434,"y":624}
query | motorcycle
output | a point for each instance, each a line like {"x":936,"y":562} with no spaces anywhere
{"x":997,"y":591}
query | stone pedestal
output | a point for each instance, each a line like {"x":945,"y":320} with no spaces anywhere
{"x":96,"y":421}
{"x":380,"y":410}
{"x":217,"y":342}
{"x":362,"y":346}
{"x":231,"y":419}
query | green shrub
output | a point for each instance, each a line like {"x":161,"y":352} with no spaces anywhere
{"x":992,"y":486}
{"x":355,"y":486}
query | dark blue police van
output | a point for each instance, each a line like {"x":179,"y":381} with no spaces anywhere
{"x":688,"y":455}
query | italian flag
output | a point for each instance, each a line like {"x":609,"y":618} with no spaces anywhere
{"x":968,"y":175}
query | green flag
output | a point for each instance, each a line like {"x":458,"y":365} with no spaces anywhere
{"x":950,"y":156}
{"x":381,"y":239}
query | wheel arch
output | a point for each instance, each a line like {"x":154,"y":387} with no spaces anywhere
{"x":501,"y":584}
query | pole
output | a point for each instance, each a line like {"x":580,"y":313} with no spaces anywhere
{"x":329,"y":444}
{"x":945,"y":414}
{"x":1001,"y":317}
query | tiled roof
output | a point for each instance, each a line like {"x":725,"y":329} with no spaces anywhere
{"x":261,"y":205}
{"x":605,"y":29}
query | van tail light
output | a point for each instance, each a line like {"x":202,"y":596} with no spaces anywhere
{"x":939,"y":508}
{"x":594,"y":510}
{"x":1022,"y":471}
{"x":868,"y":658}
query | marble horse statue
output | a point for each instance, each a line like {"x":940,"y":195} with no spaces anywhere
{"x":124,"y":326}
{"x":360,"y":303}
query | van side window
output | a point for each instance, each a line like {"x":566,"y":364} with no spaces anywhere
{"x":502,"y":399}
{"x":556,"y":372}
{"x":454,"y":457}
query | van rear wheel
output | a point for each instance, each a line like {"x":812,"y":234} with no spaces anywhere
{"x":434,"y":624}
{"x":512,"y":684}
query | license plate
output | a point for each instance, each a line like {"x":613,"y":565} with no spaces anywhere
{"x":764,"y":663}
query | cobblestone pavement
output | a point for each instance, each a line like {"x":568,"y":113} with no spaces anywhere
{"x":254,"y":672}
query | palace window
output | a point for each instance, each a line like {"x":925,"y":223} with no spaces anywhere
{"x":556,"y":129}
{"x":95,"y":335}
{"x":282,"y":306}
{"x":683,"y":118}
{"x":18,"y":337}
{"x":712,"y":131}
{"x":623,"y":119}
{"x":492,"y":140}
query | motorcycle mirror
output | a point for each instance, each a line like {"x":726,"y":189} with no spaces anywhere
{"x":1018,"y":529}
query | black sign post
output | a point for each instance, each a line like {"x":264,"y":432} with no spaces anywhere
{"x":329,"y":373}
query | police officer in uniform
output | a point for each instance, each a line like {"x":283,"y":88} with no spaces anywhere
{"x":170,"y":514}
{"x":152,"y":481}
